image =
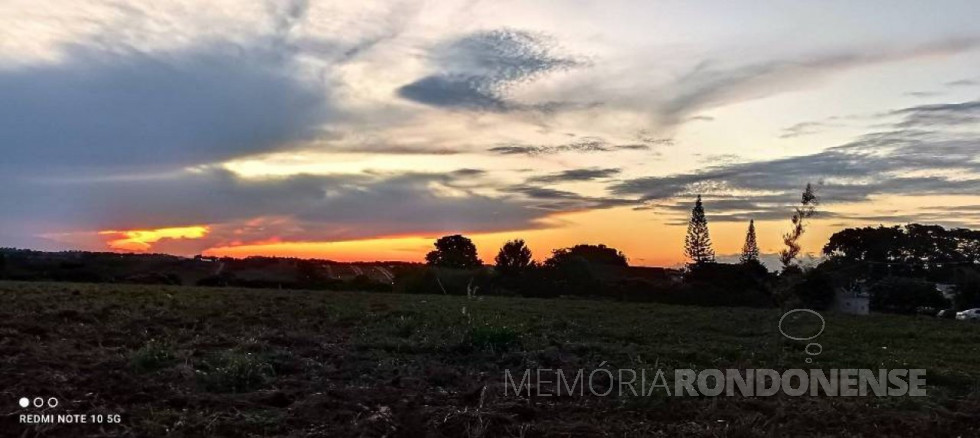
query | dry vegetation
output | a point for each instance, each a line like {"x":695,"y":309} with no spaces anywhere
{"x":184,"y":361}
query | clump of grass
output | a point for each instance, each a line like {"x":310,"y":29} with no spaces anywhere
{"x":235,"y":371}
{"x":404,"y":326}
{"x":153,"y":356}
{"x":493,"y":338}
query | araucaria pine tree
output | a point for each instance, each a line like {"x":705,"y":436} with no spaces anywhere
{"x":750,"y":251}
{"x":697,"y":244}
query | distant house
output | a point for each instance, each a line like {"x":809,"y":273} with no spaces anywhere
{"x":852,"y":300}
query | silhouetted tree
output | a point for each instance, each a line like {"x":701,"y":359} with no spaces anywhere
{"x":513,"y":257}
{"x":697,"y":244}
{"x":592,"y":254}
{"x":805,"y":210}
{"x":792,"y":275}
{"x":454,"y":251}
{"x":914,"y":250}
{"x":578,"y":270}
{"x":872,"y":244}
{"x":750,"y":250}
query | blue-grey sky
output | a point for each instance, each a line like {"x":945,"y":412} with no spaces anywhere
{"x":362,"y":129}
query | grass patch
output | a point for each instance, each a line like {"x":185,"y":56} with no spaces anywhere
{"x":235,"y":371}
{"x":494,"y":338}
{"x":297,"y":363}
{"x":153,"y":356}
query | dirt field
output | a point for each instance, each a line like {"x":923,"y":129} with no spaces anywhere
{"x":183,"y":361}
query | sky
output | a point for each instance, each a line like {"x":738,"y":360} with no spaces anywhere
{"x":365,"y":130}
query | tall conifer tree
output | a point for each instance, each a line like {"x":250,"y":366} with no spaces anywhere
{"x":750,"y":251}
{"x":697,"y":244}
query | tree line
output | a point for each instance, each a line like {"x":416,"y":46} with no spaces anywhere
{"x":898,"y":266}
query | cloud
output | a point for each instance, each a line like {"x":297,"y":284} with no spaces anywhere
{"x":914,"y":117}
{"x":294,"y":208}
{"x":899,"y":162}
{"x":467,"y":172}
{"x":585,"y":144}
{"x":802,"y":129}
{"x":722,"y":208}
{"x":563,"y":200}
{"x":150,"y":87}
{"x":923,"y":93}
{"x":102,"y":108}
{"x":947,"y":114}
{"x":706,"y":86}
{"x":124,"y":137}
{"x":963,"y":83}
{"x":701,"y":119}
{"x":477,"y":70}
{"x":454,"y":91}
{"x":573,"y":175}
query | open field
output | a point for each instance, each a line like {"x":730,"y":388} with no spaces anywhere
{"x":185,"y":361}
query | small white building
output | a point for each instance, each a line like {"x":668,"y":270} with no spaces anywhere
{"x":853,"y":300}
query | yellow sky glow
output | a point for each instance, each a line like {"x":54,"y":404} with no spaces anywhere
{"x":143,"y":240}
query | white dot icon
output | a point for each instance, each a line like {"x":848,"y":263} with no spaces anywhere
{"x":24,"y":402}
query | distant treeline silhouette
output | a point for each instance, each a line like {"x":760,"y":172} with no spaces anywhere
{"x":898,"y":266}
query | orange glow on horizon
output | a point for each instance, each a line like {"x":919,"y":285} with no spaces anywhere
{"x":142,"y":240}
{"x":647,"y":238}
{"x":403,"y":249}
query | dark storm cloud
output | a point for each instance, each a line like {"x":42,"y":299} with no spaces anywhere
{"x":897,"y":162}
{"x":475,"y":71}
{"x":573,"y":175}
{"x":101,"y":108}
